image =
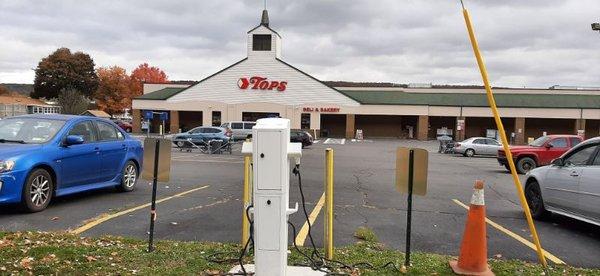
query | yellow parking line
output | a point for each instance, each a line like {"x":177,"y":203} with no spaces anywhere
{"x":301,"y":237}
{"x":513,"y":235}
{"x":103,"y":218}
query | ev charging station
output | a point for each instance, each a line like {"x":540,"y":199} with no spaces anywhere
{"x":272,"y":154}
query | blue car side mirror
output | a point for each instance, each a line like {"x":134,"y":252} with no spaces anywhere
{"x":74,"y":140}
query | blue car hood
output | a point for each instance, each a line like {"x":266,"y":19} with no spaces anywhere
{"x":8,"y":150}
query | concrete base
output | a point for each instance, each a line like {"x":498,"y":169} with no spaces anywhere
{"x":291,"y":270}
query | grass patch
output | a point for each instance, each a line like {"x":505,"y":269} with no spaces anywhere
{"x":365,"y":234}
{"x":60,"y":253}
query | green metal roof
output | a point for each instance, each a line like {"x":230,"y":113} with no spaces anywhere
{"x":161,"y":94}
{"x":475,"y":100}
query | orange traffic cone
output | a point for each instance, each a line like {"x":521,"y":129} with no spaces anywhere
{"x":473,"y":250}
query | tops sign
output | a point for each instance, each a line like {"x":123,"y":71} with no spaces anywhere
{"x":261,"y":83}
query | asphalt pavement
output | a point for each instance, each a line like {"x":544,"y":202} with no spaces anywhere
{"x":365,"y":195}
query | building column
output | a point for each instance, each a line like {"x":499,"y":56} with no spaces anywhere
{"x":174,"y":125}
{"x":207,"y":117}
{"x":580,"y":125}
{"x":315,"y":123}
{"x":460,"y":123}
{"x":422,"y":127}
{"x":136,"y":124}
{"x":350,"y":126}
{"x":519,"y":131}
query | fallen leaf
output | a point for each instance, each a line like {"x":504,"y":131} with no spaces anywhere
{"x":91,"y":259}
{"x":114,"y":254}
{"x":6,"y":243}
{"x":26,"y":262}
{"x":49,"y":258}
{"x":498,"y":256}
{"x":54,"y":218}
{"x":403,"y":269}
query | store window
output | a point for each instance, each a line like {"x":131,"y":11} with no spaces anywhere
{"x":216,"y":118}
{"x":261,"y":42}
{"x":305,"y":121}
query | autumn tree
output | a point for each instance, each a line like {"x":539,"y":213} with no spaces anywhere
{"x":113,"y":93}
{"x":63,"y":70}
{"x":4,"y":90}
{"x":145,"y":73}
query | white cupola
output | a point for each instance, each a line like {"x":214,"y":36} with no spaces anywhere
{"x":264,"y":42}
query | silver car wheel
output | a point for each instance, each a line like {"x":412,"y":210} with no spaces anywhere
{"x":130,"y":175}
{"x":40,"y":190}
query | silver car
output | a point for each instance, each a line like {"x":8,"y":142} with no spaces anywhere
{"x":477,"y":146}
{"x":570,"y":186}
{"x":240,"y":129}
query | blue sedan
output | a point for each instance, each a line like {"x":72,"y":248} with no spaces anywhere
{"x":42,"y":156}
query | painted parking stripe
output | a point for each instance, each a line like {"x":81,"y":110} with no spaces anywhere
{"x":343,"y":141}
{"x":301,"y":237}
{"x":103,"y":218}
{"x":513,"y":235}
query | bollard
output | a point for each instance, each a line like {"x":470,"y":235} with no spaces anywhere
{"x":246,"y":199}
{"x":328,"y":204}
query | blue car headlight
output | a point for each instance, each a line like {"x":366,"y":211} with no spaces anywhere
{"x":6,"y":166}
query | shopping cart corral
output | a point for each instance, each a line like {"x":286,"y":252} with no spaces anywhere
{"x":209,"y":147}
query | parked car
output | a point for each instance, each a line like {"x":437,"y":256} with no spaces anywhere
{"x":301,"y":136}
{"x":126,"y":126}
{"x":202,"y":135}
{"x":240,"y":130}
{"x":477,"y":146}
{"x":539,"y":153}
{"x":56,"y":155}
{"x":570,"y":186}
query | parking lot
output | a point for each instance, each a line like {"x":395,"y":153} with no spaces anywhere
{"x":203,"y":202}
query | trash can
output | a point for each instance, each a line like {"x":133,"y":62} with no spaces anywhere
{"x":215,"y":146}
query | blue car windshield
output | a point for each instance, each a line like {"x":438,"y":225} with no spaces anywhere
{"x":28,"y":130}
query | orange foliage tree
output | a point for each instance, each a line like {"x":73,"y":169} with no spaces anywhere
{"x":114,"y":90}
{"x":145,"y":73}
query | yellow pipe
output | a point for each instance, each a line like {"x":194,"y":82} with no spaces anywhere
{"x":511,"y":163}
{"x":329,"y":204}
{"x":246,"y":200}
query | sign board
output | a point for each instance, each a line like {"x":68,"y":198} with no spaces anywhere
{"x":148,"y":114}
{"x":261,"y":83}
{"x":163,"y":160}
{"x":321,"y":109}
{"x":420,"y":162}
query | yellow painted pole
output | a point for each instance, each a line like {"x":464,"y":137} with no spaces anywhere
{"x":246,"y":200}
{"x":511,"y":163}
{"x":328,"y":204}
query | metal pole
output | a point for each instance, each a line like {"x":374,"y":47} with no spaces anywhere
{"x":246,"y":200}
{"x":329,"y":204}
{"x":153,"y":207}
{"x":411,"y":157}
{"x":511,"y":163}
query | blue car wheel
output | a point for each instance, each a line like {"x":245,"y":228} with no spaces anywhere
{"x":38,"y":190}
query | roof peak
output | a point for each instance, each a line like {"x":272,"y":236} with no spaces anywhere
{"x":265,"y":18}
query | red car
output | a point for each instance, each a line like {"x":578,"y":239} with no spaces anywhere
{"x":540,"y":152}
{"x":124,"y":125}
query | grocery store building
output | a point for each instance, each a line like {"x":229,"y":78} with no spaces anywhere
{"x":263,"y":85}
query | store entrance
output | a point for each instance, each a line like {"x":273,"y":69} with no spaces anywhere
{"x":253,"y":116}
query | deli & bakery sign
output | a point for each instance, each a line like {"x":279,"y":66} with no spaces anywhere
{"x":321,"y":109}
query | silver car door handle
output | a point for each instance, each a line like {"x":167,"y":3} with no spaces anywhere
{"x":574,"y":173}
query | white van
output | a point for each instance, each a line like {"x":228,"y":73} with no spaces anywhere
{"x":240,"y":129}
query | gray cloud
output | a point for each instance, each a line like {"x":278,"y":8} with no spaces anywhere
{"x":534,"y":43}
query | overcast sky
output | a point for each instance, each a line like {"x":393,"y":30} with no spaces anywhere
{"x":533,"y":43}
